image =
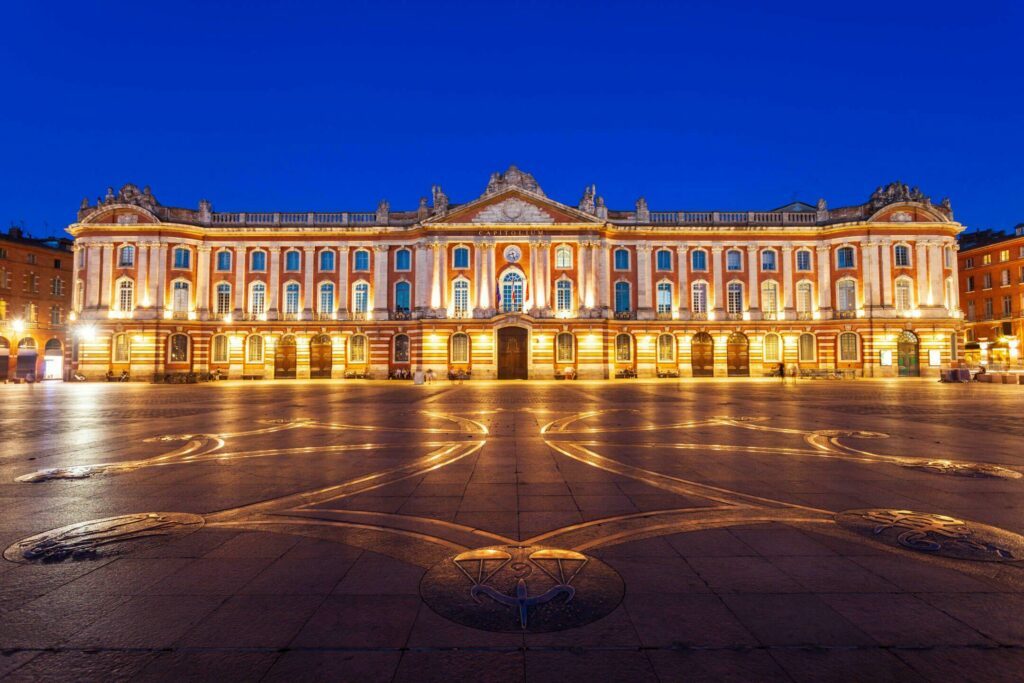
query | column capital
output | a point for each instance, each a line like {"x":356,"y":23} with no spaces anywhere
{"x":203,"y":248}
{"x":753,"y":248}
{"x":717,"y":249}
{"x":644,"y":247}
{"x":272,"y":250}
{"x":786,"y":248}
{"x":381,"y":247}
{"x":681,"y":250}
{"x":823,"y":248}
{"x":343,"y":249}
{"x":309,"y":250}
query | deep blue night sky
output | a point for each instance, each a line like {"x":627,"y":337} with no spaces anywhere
{"x":696,"y":105}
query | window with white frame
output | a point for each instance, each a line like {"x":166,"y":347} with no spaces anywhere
{"x":666,"y":348}
{"x":770,"y":297}
{"x":403,"y":296}
{"x":326,"y":298}
{"x":361,"y":261}
{"x":126,"y":257}
{"x":806,"y":348}
{"x":846,"y":295}
{"x":293,"y":261}
{"x":177,"y":348}
{"x":258,"y":298}
{"x":623,"y":348}
{"x":903,"y":295}
{"x":663,"y":260}
{"x":565,"y":348}
{"x":327,"y":260}
{"x":664,"y":297}
{"x":734,"y":298}
{"x":621,"y":259}
{"x":772,"y":348}
{"x":699,"y":260}
{"x":223,"y":305}
{"x":769,"y":260}
{"x":699,"y":297}
{"x":845,"y":257}
{"x":291,"y":298}
{"x":401,"y":348}
{"x":460,"y":257}
{"x":563,"y":296}
{"x":220,"y":348}
{"x":258,"y":261}
{"x":357,"y":349}
{"x":122,"y":348}
{"x":512,"y":286}
{"x":360,"y":297}
{"x":849,"y":347}
{"x":734,"y":260}
{"x":254,"y":349}
{"x":126,"y":296}
{"x":563,"y":257}
{"x":623,"y":300}
{"x":223,"y":260}
{"x":403,"y":260}
{"x":804,"y":297}
{"x":460,"y":348}
{"x":803,"y":260}
{"x":182,"y":258}
{"x":901,"y":256}
{"x":180,"y":296}
{"x":460,"y":297}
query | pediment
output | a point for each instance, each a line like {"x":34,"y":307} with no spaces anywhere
{"x":121,"y":214}
{"x":513,"y":206}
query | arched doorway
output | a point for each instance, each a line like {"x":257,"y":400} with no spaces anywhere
{"x":320,"y":357}
{"x":702,"y":355}
{"x":512,"y":353}
{"x":53,"y":360}
{"x":5,"y":358}
{"x":906,"y":355}
{"x":284,"y":358}
{"x":26,"y":359}
{"x":737,"y":355}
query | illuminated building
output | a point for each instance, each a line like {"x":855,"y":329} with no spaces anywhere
{"x":991,"y":266}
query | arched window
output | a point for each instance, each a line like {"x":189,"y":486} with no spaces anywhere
{"x":177,"y":348}
{"x":460,"y":297}
{"x":326,"y":298}
{"x":769,"y":260}
{"x":666,"y":348}
{"x":293,"y":261}
{"x":126,"y":257}
{"x":258,"y":298}
{"x":623,"y":301}
{"x":254,"y":349}
{"x":565,"y":348}
{"x":126,"y":296}
{"x":512,"y":292}
{"x":223,"y":260}
{"x":904,"y":301}
{"x":361,"y":261}
{"x":460,"y":348}
{"x":734,"y":298}
{"x":180,"y":296}
{"x":770,"y":298}
{"x":182,"y":258}
{"x":291,"y":298}
{"x":804,"y":297}
{"x":734,"y":260}
{"x":563,"y":296}
{"x":849,"y":347}
{"x":623,"y":348}
{"x":622,"y":259}
{"x":699,"y":260}
{"x":901,"y":256}
{"x":460,"y":257}
{"x":807,"y":347}
{"x":403,"y":260}
{"x":357,"y":349}
{"x":663,"y":260}
{"x":803,"y":260}
{"x":845,"y":257}
{"x":563,"y":257}
{"x":327,"y":260}
{"x":401,"y":348}
{"x":699,"y":297}
{"x":402,"y":296}
{"x":223,"y":306}
{"x":664,"y":298}
{"x":846,"y":295}
{"x":772,"y":348}
{"x":219,"y":353}
{"x":122,"y":348}
{"x":361,"y":297}
{"x":258,"y":261}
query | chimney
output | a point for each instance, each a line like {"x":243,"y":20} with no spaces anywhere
{"x":14,"y":231}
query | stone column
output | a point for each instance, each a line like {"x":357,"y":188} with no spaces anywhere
{"x":240,"y":266}
{"x":682,"y":286}
{"x":160,"y":299}
{"x":787,"y":282}
{"x":824,"y":279}
{"x":423,"y":283}
{"x":157,"y":254}
{"x":93,"y":270}
{"x":443,"y":270}
{"x":582,"y":273}
{"x":478,"y":278}
{"x":273,"y":312}
{"x":343,"y":283}
{"x":955,"y":277}
{"x":142,"y":276}
{"x":885,"y":279}
{"x":717,"y":292}
{"x":602,"y":277}
{"x":922,"y":273}
{"x":108,"y":275}
{"x":435,"y":276}
{"x":754,"y":293}
{"x":203,"y":282}
{"x":307,"y":282}
{"x":380,"y":282}
{"x":935,"y":293}
{"x":492,"y":275}
{"x":644,"y":291}
{"x":869,"y":284}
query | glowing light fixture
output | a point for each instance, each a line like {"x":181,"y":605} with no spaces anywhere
{"x":18,"y":325}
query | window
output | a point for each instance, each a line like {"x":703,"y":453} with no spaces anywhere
{"x":849,"y":350}
{"x":971,"y":311}
{"x":126,"y":257}
{"x":460,"y":257}
{"x":460,"y":348}
{"x":844,"y":257}
{"x":223,"y":305}
{"x":122,"y":349}
{"x":623,"y":348}
{"x":460,"y":297}
{"x":769,"y":261}
{"x":734,"y":260}
{"x":180,"y":297}
{"x":512,"y":292}
{"x":772,"y":348}
{"x":846,"y":295}
{"x":803,"y":260}
{"x":56,"y":315}
{"x":622,"y":259}
{"x":666,"y":348}
{"x":1004,"y":278}
{"x":361,"y":261}
{"x":177,"y":347}
{"x":401,"y":348}
{"x":988,"y":308}
{"x":663,"y":260}
{"x":806,"y":348}
{"x":292,"y":261}
{"x":258,"y":261}
{"x":182,"y":258}
{"x":903,"y":295}
{"x":804,"y":297}
{"x":126,"y":296}
{"x":326,"y":298}
{"x":664,"y":297}
{"x":357,"y":349}
{"x":1007,"y":306}
{"x":734,"y":298}
{"x":403,"y":260}
{"x":968,"y":263}
{"x":1004,"y":255}
{"x":986,"y":260}
{"x":699,"y":297}
{"x":220,"y":348}
{"x":361,"y":298}
{"x":402,"y":296}
{"x":81,"y":254}
{"x":770,"y":298}
{"x":291,"y":298}
{"x":565,"y":348}
{"x":902,"y":256}
{"x":327,"y":260}
{"x":254,"y":349}
{"x":622,"y":298}
{"x":970,"y":283}
{"x":31,"y":259}
{"x":563,"y":296}
{"x":258,"y":298}
{"x":563,"y":257}
{"x":699,"y":260}
{"x":223,"y":260}
{"x":986,"y":281}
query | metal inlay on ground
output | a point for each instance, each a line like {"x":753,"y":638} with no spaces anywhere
{"x":967,"y":469}
{"x":935,"y":534}
{"x":522,"y":589}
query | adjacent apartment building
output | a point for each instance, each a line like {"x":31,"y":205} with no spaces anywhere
{"x":515,"y":284}
{"x":992,"y":294}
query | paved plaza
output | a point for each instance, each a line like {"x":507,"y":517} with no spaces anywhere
{"x":629,"y":530}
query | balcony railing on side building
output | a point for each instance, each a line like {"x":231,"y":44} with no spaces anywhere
{"x":734,"y":217}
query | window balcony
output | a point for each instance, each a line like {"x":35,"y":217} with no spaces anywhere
{"x":770,"y":315}
{"x":289,"y":316}
{"x":324,"y":316}
{"x":358,"y":315}
{"x":179,"y":315}
{"x":625,"y":315}
{"x":664,"y":315}
{"x":844,"y":315}
{"x":404,"y":314}
{"x":699,"y":315}
{"x":804,"y":315}
{"x":734,"y":315}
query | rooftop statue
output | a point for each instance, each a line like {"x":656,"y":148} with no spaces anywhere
{"x":513,"y":177}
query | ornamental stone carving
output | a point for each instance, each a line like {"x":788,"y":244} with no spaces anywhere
{"x":513,"y":177}
{"x":513,"y":210}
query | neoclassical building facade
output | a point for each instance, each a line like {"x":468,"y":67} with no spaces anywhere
{"x":514,"y":284}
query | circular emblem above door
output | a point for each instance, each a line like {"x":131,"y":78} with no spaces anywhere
{"x":512,"y":254}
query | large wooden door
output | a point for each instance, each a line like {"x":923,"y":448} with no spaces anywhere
{"x":702,"y":355}
{"x":284,"y":358}
{"x":906,"y":355}
{"x":512,"y":348}
{"x":320,"y":357}
{"x":737,"y":356}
